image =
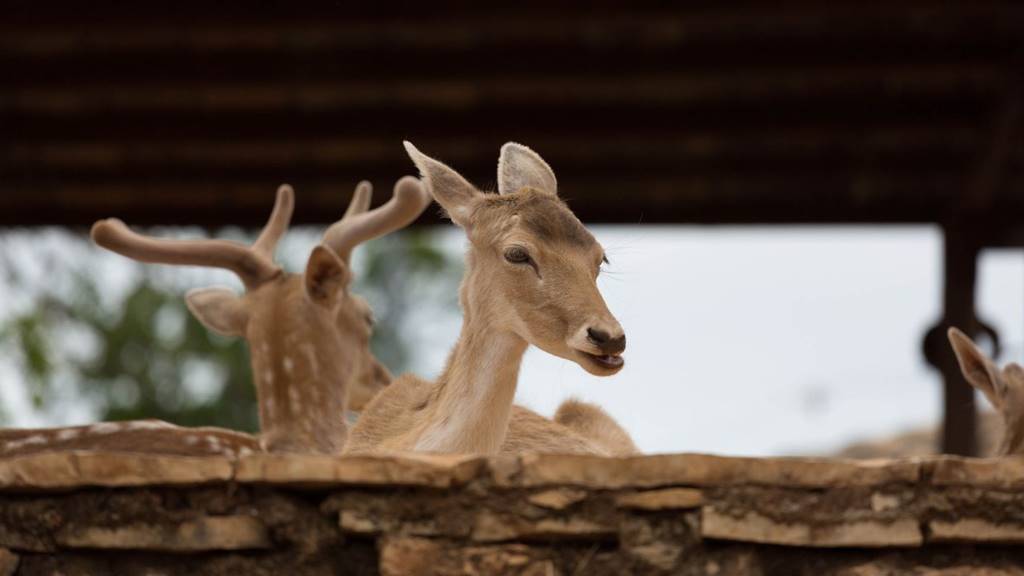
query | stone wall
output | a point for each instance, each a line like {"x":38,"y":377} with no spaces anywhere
{"x":97,"y":513}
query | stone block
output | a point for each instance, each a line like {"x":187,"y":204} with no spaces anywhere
{"x":200,"y":535}
{"x":63,"y":470}
{"x":664,"y":499}
{"x":975,"y":530}
{"x":493,"y":527}
{"x":1005,"y":473}
{"x":755,"y":528}
{"x":317,"y":471}
{"x":704,"y":470}
{"x":412,"y":556}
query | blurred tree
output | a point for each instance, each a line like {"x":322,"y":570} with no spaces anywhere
{"x":401,"y":271}
{"x":150,"y":358}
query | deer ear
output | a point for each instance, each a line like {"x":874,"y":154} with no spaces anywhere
{"x":519,"y":167}
{"x":979,"y":371}
{"x":326,"y":276}
{"x":453,"y":192}
{"x":219,"y":309}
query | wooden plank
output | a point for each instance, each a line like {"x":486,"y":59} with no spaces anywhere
{"x":738,"y":199}
{"x":383,"y":62}
{"x":462,"y":24}
{"x":800,"y":154}
{"x":494,"y":120}
{"x":229,"y":93}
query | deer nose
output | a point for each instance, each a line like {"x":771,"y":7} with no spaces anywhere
{"x":603,"y":340}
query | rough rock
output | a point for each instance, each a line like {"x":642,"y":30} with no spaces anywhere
{"x":558,"y":498}
{"x":312,"y":471}
{"x":976,"y":530}
{"x":491,"y":527}
{"x":59,"y":470}
{"x":753,"y":527}
{"x":1001,"y":473}
{"x":409,"y":556}
{"x":704,"y":470}
{"x":88,"y":513}
{"x":199,"y":535}
{"x":665,"y":499}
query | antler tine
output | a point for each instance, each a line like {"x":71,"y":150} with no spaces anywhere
{"x":277,"y":224}
{"x":360,"y":200}
{"x":253,"y":264}
{"x":408,"y":201}
{"x":252,"y":268}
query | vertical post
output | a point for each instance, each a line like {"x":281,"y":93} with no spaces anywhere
{"x":963,"y":241}
{"x":961,"y":249}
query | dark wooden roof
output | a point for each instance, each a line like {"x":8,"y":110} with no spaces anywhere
{"x":813,"y":112}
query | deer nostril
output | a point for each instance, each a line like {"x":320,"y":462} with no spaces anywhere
{"x":617,"y":344}
{"x":597,"y":336}
{"x":604,"y":341}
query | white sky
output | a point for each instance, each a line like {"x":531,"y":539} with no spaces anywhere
{"x":767,"y":341}
{"x":745,"y":341}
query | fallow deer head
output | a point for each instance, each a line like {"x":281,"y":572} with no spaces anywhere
{"x":530,"y":258}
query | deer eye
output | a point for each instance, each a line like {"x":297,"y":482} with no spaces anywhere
{"x":517,"y":255}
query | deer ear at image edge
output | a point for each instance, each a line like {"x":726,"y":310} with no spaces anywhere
{"x":977,"y":368}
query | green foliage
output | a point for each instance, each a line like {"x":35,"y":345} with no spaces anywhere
{"x":145,"y":362}
{"x":140,"y":373}
{"x":401,"y":271}
{"x":148,"y":357}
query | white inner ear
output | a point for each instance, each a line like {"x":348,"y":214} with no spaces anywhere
{"x":219,"y":309}
{"x":978,"y":370}
{"x":519,"y":167}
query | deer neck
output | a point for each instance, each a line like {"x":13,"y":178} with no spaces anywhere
{"x":1012,"y":442}
{"x":301,"y":392}
{"x":469,"y":408}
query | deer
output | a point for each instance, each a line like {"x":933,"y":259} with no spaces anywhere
{"x":1004,"y":389}
{"x":308,"y":335}
{"x":530,"y":279}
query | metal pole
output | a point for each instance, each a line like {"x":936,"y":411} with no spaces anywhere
{"x":961,"y":249}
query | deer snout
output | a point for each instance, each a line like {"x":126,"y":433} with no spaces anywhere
{"x":598,"y":346}
{"x":605,"y":341}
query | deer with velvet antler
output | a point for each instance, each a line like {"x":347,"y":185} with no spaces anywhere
{"x":308,"y":335}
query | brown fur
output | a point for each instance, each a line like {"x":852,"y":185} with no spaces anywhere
{"x":141,"y":436}
{"x":592,"y":422}
{"x":548,"y":301}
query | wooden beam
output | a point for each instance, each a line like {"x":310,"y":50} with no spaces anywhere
{"x":980,"y":193}
{"x":41,"y":87}
{"x":485,"y":120}
{"x":720,"y":199}
{"x":467,"y":25}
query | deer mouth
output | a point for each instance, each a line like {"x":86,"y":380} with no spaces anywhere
{"x":605,"y":362}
